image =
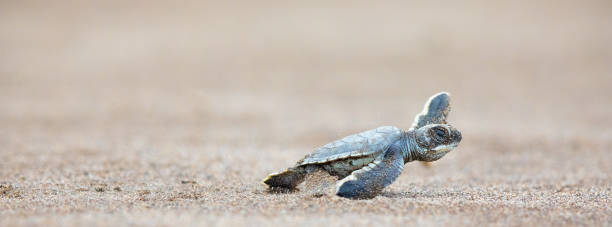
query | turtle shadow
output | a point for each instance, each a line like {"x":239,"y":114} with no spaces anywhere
{"x":279,"y":190}
{"x":400,"y":195}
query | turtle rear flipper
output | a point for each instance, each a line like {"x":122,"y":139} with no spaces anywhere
{"x":288,"y":179}
{"x":370,"y":180}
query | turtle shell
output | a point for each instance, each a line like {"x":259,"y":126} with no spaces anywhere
{"x":359,"y":145}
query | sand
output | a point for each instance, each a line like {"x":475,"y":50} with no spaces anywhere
{"x":115,"y":114}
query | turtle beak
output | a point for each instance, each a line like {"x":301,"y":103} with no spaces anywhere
{"x":439,"y":151}
{"x":445,"y":148}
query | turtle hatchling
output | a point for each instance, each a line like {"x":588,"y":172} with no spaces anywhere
{"x":367,"y":162}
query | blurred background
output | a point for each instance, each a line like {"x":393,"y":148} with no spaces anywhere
{"x":524,"y":67}
{"x":228,"y":91}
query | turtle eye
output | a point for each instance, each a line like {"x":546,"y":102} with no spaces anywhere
{"x":440,"y":132}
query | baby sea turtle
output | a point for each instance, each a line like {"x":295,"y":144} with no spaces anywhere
{"x":368,"y":162}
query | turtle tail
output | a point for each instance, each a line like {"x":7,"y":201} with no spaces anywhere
{"x":288,"y":179}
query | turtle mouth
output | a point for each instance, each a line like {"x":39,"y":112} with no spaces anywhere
{"x":443,"y":149}
{"x":438,"y":152}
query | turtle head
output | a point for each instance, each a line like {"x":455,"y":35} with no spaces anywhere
{"x":435,"y":140}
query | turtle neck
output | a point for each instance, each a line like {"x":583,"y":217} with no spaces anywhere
{"x":410,"y":146}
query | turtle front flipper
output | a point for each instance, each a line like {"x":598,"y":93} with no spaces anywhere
{"x":435,"y":111}
{"x":370,"y":180}
{"x":288,"y":179}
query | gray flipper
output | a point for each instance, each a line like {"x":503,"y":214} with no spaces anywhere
{"x":435,"y":111}
{"x":370,"y":180}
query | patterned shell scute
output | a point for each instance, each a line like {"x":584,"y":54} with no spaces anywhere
{"x":357,"y":145}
